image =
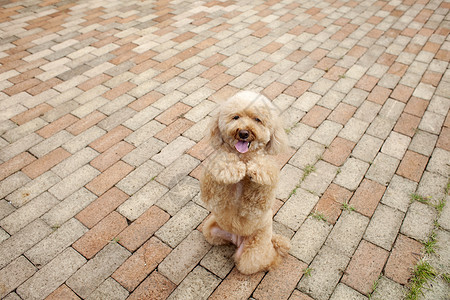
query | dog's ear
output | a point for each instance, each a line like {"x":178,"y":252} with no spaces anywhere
{"x":278,"y":139}
{"x":213,"y":135}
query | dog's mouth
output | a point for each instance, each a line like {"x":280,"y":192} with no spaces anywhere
{"x":242,"y":146}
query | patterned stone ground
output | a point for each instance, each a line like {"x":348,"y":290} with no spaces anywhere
{"x":103,"y":107}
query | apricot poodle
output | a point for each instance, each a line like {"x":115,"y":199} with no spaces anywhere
{"x":239,"y":181}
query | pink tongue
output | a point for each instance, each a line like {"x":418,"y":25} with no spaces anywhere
{"x":241,"y":146}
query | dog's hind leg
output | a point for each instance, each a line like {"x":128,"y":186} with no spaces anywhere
{"x":214,"y":234}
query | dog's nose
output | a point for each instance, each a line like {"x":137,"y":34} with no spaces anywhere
{"x":243,"y":134}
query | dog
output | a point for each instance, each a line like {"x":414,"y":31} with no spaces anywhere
{"x":239,"y":181}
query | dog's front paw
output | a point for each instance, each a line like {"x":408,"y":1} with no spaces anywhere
{"x":262,"y":172}
{"x":228,"y":173}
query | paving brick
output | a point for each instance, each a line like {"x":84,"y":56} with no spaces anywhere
{"x":46,"y":162}
{"x":100,"y":235}
{"x":407,"y":124}
{"x":181,"y":224}
{"x":412,"y":166}
{"x":338,"y":151}
{"x":367,"y":196}
{"x":15,"y":164}
{"x":297,"y":295}
{"x":28,"y":213}
{"x":296,"y":209}
{"x":423,"y":143}
{"x":86,"y":122}
{"x":354,"y":129}
{"x":63,"y":292}
{"x":15,"y":274}
{"x":174,"y":150}
{"x":403,"y":258}
{"x":51,"y":143}
{"x":69,"y":207}
{"x":173,"y":113}
{"x":154,"y":286}
{"x":351,"y":174}
{"x":23,"y":240}
{"x":342,"y":291}
{"x":142,"y":228}
{"x":143,"y":199}
{"x":309,"y":238}
{"x":32,"y":189}
{"x":101,"y":207}
{"x":382,"y":169}
{"x":109,"y":289}
{"x":184,"y":191}
{"x":184,"y":257}
{"x":330,"y":204}
{"x":199,"y":284}
{"x":95,"y":271}
{"x":318,"y":181}
{"x":83,"y":139}
{"x":384,"y":226}
{"x":111,"y":138}
{"x":237,"y":285}
{"x":177,"y":170}
{"x":52,"y":275}
{"x":136,"y":268}
{"x":326,"y":271}
{"x":419,"y":221}
{"x":308,"y":154}
{"x":342,"y":113}
{"x":109,"y":178}
{"x":73,"y":182}
{"x":316,"y":116}
{"x":219,"y":260}
{"x":111,"y":156}
{"x":388,"y":289}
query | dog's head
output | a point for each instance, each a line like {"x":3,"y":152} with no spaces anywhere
{"x":248,"y":122}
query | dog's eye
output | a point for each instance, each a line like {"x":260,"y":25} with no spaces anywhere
{"x":235,"y":117}
{"x":258,"y":120}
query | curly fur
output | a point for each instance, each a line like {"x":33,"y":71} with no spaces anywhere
{"x":238,"y":183}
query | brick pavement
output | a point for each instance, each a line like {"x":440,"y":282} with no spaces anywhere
{"x":103,"y":108}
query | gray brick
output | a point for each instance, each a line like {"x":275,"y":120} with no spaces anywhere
{"x":174,"y":150}
{"x":354,"y":129}
{"x":73,"y":182}
{"x":331,"y":99}
{"x":12,"y":183}
{"x":96,"y":270}
{"x":398,"y":193}
{"x":89,"y":107}
{"x":200,"y":111}
{"x":219,"y":260}
{"x":444,"y":219}
{"x":290,"y":177}
{"x":383,"y":168}
{"x":306,"y":101}
{"x":392,"y":109}
{"x":139,"y":177}
{"x":199,"y":284}
{"x":198,"y":130}
{"x":142,"y":200}
{"x":15,"y":274}
{"x":23,"y":130}
{"x":33,"y":189}
{"x":342,"y":291}
{"x":52,"y":275}
{"x":388,"y":289}
{"x":423,"y":143}
{"x":19,"y":146}
{"x":83,"y":139}
{"x":23,"y":240}
{"x":296,"y":209}
{"x":6,"y":208}
{"x":309,"y":239}
{"x":117,"y":118}
{"x":381,"y":127}
{"x":326,"y":270}
{"x":109,"y":290}
{"x":433,"y":185}
{"x":318,"y":181}
{"x":179,"y":195}
{"x":177,"y":170}
{"x":431,"y":122}
{"x":74,"y":162}
{"x":419,"y":221}
{"x":396,"y":145}
{"x":384,"y":226}
{"x":347,"y":232}
{"x":69,"y":207}
{"x":351,"y":173}
{"x":355,"y":97}
{"x":184,"y":257}
{"x":144,"y":152}
{"x":51,"y":246}
{"x":308,"y":154}
{"x":367,"y":148}
{"x":142,"y":118}
{"x":424,"y":91}
{"x":60,"y":111}
{"x":291,"y":116}
{"x":144,"y":133}
{"x":367,"y":111}
{"x":299,"y":134}
{"x":326,"y":132}
{"x":28,"y":213}
{"x":51,"y":143}
{"x":168,"y":100}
